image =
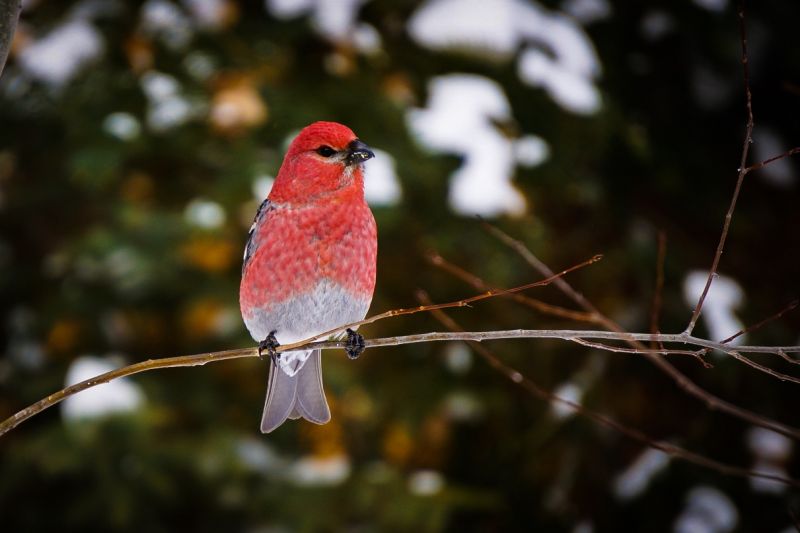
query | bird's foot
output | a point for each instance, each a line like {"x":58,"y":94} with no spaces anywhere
{"x":270,"y":345}
{"x":355,"y":344}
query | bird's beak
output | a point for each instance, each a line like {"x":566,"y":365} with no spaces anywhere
{"x":358,"y":152}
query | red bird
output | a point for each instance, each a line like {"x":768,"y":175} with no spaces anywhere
{"x":309,"y":265}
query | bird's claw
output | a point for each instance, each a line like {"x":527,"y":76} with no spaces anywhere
{"x":355,"y":344}
{"x":270,"y":344}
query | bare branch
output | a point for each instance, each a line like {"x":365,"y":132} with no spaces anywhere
{"x":536,"y":390}
{"x":788,"y":359}
{"x":9,"y":15}
{"x":143,"y":366}
{"x":749,"y":362}
{"x":477,"y":336}
{"x":766,"y":162}
{"x":748,"y":140}
{"x":657,"y":351}
{"x":477,"y":283}
{"x":789,"y":307}
{"x":681,"y":380}
{"x":655,"y":310}
{"x":540,"y":267}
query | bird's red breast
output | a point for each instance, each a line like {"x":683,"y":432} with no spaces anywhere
{"x":296,"y":248}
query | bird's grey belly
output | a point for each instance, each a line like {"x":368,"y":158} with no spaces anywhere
{"x":325,"y":307}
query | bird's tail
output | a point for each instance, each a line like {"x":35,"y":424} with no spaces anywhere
{"x":296,"y":396}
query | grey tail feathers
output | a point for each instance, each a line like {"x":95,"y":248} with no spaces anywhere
{"x":296,"y":396}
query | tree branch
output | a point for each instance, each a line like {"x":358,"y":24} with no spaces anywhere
{"x":655,"y":308}
{"x":9,"y":15}
{"x":762,"y":164}
{"x":480,"y":285}
{"x":789,"y":307}
{"x":681,"y":380}
{"x":743,"y":170}
{"x":543,"y":394}
{"x":477,"y":336}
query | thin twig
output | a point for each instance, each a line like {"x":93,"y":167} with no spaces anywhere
{"x":479,"y":284}
{"x":143,"y":366}
{"x":541,"y":267}
{"x":792,"y":305}
{"x":658,"y":339}
{"x":786,"y":357}
{"x":789,"y":307}
{"x":620,"y":349}
{"x":742,"y":171}
{"x":476,"y":282}
{"x":762,"y":164}
{"x":655,"y":310}
{"x":765,"y":369}
{"x":536,"y":390}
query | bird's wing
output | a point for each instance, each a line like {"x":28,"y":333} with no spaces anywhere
{"x":252,"y":236}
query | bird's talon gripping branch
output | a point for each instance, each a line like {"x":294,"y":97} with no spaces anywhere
{"x":270,"y":344}
{"x":355,"y":344}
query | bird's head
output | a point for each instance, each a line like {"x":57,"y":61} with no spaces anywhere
{"x":324,"y":157}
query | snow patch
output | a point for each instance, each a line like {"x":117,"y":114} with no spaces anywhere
{"x":381,"y":186}
{"x":204,"y":214}
{"x":209,"y":14}
{"x":59,"y":56}
{"x":572,"y":392}
{"x":167,"y":108}
{"x":462,"y":406}
{"x":262,"y":185}
{"x":425,"y":482}
{"x":772,"y":451}
{"x":558,"y":56}
{"x":587,"y":11}
{"x":724,"y":297}
{"x":531,"y":151}
{"x":458,"y":357}
{"x":638,"y":476}
{"x":123,"y":126}
{"x":118,"y":396}
{"x":166,"y":22}
{"x":717,"y":6}
{"x":707,"y":511}
{"x":766,"y":144}
{"x":312,"y":471}
{"x":459,"y":119}
{"x":335,"y":20}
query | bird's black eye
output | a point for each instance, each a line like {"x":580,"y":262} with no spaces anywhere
{"x":325,"y":151}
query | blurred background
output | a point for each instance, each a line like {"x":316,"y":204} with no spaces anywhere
{"x":138,"y":138}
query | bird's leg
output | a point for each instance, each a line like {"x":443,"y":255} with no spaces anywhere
{"x":270,"y":344}
{"x":355,"y":344}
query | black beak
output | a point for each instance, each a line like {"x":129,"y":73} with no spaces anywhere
{"x":358,"y":152}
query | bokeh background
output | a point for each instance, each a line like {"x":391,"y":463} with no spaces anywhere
{"x":137,"y":139}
